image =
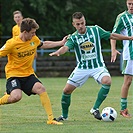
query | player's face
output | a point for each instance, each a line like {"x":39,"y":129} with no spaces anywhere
{"x":28,"y":35}
{"x":18,"y":18}
{"x":79,"y":24}
{"x":130,"y":6}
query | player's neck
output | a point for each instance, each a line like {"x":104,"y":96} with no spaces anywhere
{"x":18,"y":25}
{"x":21,"y":36}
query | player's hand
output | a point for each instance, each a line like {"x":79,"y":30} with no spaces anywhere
{"x":114,"y":55}
{"x":64,"y":40}
{"x":54,"y":54}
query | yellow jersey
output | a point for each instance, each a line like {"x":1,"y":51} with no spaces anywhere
{"x":15,"y":30}
{"x":20,"y":56}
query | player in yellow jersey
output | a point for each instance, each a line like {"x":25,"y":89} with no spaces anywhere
{"x":20,"y":51}
{"x":18,"y":17}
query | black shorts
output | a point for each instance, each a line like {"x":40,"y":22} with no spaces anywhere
{"x":24,"y":83}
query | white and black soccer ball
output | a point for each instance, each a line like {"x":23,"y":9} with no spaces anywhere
{"x":109,"y":114}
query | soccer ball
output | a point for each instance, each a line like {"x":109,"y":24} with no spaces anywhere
{"x":109,"y":114}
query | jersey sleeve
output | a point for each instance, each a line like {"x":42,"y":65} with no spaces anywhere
{"x":37,"y":41}
{"x":103,"y":33}
{"x":118,"y":26}
{"x":7,"y":48}
{"x":70,"y":42}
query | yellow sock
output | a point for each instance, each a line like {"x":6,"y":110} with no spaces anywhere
{"x":47,"y":105}
{"x":4,"y":99}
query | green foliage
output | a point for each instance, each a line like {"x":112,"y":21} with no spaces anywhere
{"x":0,"y":29}
{"x":54,"y":16}
{"x":28,"y":116}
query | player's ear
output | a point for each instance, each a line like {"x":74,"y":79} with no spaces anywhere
{"x":73,"y":24}
{"x":85,"y":22}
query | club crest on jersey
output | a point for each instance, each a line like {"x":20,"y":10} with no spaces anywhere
{"x":32,"y":43}
{"x":87,"y":46}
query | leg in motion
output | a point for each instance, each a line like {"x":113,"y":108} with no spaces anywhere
{"x":39,"y":89}
{"x":14,"y":96}
{"x":102,"y":94}
{"x":66,"y":101}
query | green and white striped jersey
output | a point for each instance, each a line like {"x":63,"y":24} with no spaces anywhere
{"x":87,"y":47}
{"x":124,"y":26}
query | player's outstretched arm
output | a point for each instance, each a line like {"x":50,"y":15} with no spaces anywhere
{"x":60,"y":51}
{"x":116,"y":36}
{"x":53,"y":44}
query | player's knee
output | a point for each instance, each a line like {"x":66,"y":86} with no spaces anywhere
{"x":106,"y":80}
{"x":38,"y":88}
{"x":67,"y":91}
{"x":129,"y":81}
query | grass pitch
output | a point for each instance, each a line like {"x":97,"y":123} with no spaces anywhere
{"x":28,"y":116}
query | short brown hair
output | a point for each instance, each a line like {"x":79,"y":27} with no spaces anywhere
{"x":28,"y":24}
{"x":77,"y":15}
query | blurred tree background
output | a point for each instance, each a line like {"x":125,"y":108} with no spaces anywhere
{"x":54,"y":16}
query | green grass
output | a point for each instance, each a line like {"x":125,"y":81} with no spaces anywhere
{"x":28,"y":116}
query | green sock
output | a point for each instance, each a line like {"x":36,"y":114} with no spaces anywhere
{"x":65,"y":102}
{"x":123,"y":103}
{"x":102,"y":94}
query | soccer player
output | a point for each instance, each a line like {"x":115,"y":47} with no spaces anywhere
{"x":86,"y":41}
{"x":124,"y":26}
{"x":18,"y":17}
{"x":20,"y":51}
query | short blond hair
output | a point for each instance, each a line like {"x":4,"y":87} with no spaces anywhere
{"x":17,"y":12}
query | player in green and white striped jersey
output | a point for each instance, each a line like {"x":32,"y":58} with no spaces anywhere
{"x":88,"y":47}
{"x":124,"y":26}
{"x":86,"y":42}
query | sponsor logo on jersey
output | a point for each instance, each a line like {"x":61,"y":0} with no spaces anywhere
{"x":89,"y":56}
{"x":87,"y":46}
{"x":26,"y":53}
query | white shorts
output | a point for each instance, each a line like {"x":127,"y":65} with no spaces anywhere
{"x":127,"y":67}
{"x":79,"y":76}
